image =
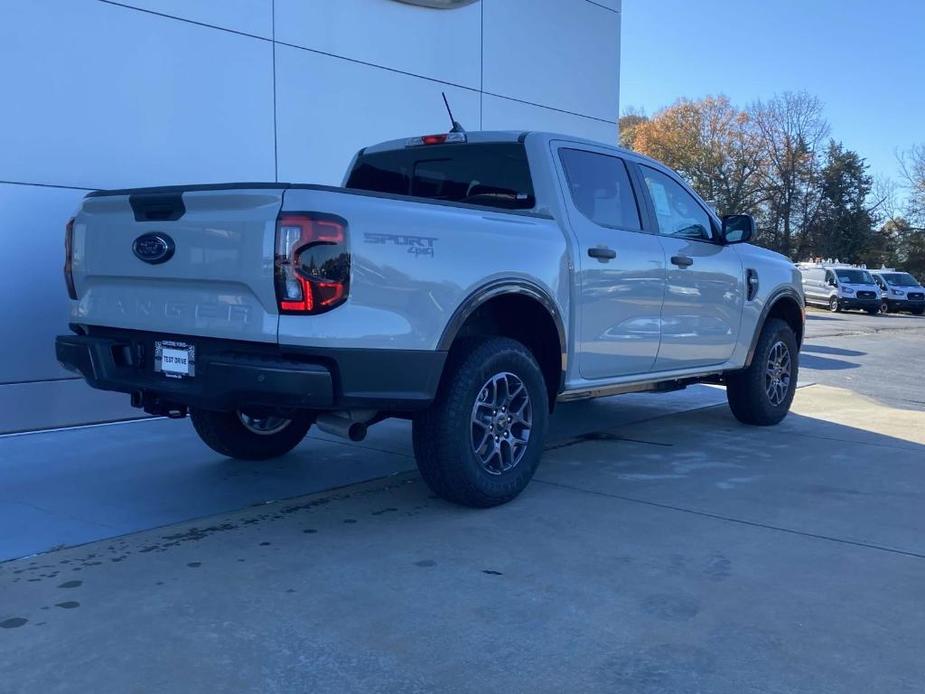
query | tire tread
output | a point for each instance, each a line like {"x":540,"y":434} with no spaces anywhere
{"x":436,"y":447}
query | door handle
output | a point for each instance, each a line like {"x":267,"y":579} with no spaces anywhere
{"x":602,"y":254}
{"x":682,"y":260}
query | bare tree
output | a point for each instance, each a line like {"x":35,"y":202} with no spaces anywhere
{"x":792,"y":130}
{"x":912,"y":169}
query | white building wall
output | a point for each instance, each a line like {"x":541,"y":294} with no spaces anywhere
{"x":99,"y":94}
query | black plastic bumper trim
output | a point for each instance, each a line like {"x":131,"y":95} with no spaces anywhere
{"x":232,"y":374}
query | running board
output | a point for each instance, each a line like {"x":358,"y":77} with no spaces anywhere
{"x":665,"y":386}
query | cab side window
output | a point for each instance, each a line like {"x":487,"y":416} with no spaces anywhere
{"x":678,"y":213}
{"x":600,"y":188}
{"x":830,"y":278}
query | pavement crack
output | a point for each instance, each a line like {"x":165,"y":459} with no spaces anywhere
{"x":604,"y":435}
{"x":730,"y":519}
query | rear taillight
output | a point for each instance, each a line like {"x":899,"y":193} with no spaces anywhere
{"x":69,"y":259}
{"x":312,"y":266}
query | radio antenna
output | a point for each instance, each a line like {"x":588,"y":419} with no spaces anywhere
{"x":457,"y":128}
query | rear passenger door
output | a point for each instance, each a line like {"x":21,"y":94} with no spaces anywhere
{"x":620,"y":266}
{"x":705,"y":279}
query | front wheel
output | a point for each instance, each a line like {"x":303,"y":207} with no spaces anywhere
{"x":761,"y":394}
{"x":873,"y":311}
{"x":250,"y":436}
{"x":834,"y":305}
{"x":917,"y":311}
{"x":480,"y":441}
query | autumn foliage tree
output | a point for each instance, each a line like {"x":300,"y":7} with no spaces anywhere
{"x":711,"y":144}
{"x":811,"y":196}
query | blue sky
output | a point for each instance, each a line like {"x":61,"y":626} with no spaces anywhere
{"x":864,"y":59}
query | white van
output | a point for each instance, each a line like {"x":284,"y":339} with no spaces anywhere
{"x":839,"y":286}
{"x":900,"y":291}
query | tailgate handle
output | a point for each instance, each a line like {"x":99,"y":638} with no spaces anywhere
{"x":157,"y":207}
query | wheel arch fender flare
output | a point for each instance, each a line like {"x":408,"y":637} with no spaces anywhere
{"x":781,"y":299}
{"x":493,"y":290}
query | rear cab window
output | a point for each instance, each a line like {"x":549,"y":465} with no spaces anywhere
{"x":491,"y":174}
{"x":600,"y":188}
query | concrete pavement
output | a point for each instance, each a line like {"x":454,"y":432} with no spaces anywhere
{"x":681,"y":553}
{"x":63,"y":488}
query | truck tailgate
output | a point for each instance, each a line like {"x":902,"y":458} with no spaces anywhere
{"x":218,"y":281}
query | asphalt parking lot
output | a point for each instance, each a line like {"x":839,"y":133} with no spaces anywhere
{"x":878,"y":356}
{"x":663,"y":547}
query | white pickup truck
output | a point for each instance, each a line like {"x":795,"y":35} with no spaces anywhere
{"x":466,"y":281}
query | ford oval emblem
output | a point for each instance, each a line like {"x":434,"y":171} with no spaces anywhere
{"x":154,"y":248}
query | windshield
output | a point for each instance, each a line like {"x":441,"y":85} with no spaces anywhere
{"x":854,"y":277}
{"x":900,"y":279}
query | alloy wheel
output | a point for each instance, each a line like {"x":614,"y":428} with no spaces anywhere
{"x":263,"y":426}
{"x":778,"y":373}
{"x":501,"y":420}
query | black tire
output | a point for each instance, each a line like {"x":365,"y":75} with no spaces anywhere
{"x":443,"y":434}
{"x":747,"y":390}
{"x":873,"y":311}
{"x":917,"y":311}
{"x":834,"y":305}
{"x":884,"y":308}
{"x":225,"y":433}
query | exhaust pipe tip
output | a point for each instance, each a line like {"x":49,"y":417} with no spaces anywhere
{"x":342,"y":426}
{"x":357,"y":431}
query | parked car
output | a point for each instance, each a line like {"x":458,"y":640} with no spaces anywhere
{"x":900,"y":291}
{"x":467,"y":282}
{"x":840,"y":287}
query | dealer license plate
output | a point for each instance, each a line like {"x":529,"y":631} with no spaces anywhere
{"x":175,"y":359}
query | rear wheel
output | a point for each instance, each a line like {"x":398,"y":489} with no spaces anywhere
{"x":762,"y":393}
{"x":873,"y":311}
{"x":250,"y":436}
{"x":481,"y":440}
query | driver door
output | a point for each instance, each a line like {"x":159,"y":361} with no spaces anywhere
{"x":705,"y":287}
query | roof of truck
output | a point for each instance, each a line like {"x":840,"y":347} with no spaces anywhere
{"x":473,"y":136}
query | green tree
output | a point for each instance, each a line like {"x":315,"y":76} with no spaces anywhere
{"x":842,"y":225}
{"x":907,"y":247}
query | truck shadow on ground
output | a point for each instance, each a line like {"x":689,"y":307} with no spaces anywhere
{"x":810,"y":360}
{"x":823,"y":349}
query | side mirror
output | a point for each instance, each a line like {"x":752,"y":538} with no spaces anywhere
{"x":738,"y":228}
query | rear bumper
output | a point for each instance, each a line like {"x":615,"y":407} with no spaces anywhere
{"x":235,"y":375}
